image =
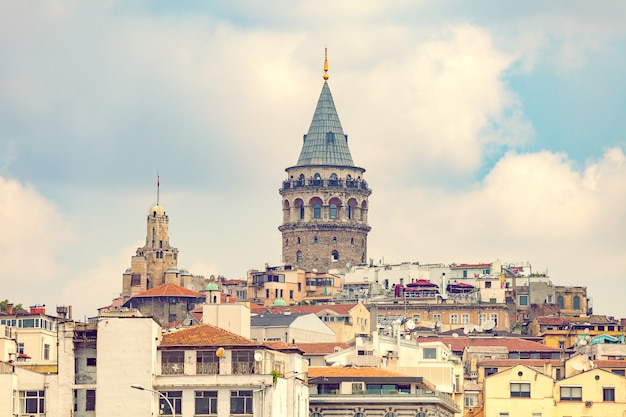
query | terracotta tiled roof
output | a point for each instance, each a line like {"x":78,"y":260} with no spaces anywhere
{"x":348,"y":371}
{"x":321,"y":348}
{"x":205,"y":335}
{"x":470,"y":266}
{"x":169,"y":290}
{"x":342,"y":309}
{"x":555,"y":321}
{"x":610,"y":363}
{"x":533,"y":363}
{"x":513,"y":344}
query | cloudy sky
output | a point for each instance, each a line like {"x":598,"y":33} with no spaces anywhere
{"x":488,"y":131}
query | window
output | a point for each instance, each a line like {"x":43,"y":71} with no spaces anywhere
{"x":241,"y":402}
{"x":327,"y":388}
{"x":464,"y":318}
{"x":333,"y":211}
{"x":242,"y":362}
{"x":334,"y":240}
{"x":608,"y":394}
{"x":207,"y":362}
{"x":471,"y":399}
{"x":571,"y":393}
{"x":32,"y":402}
{"x":490,"y":371}
{"x":91,"y":361}
{"x":454,"y":318}
{"x":503,"y":415}
{"x":619,"y":372}
{"x":429,"y":353}
{"x":416,"y":318}
{"x":46,"y":352}
{"x":301,"y":213}
{"x":576,"y":302}
{"x":357,"y":388}
{"x":317,"y":211}
{"x":482,"y":317}
{"x":559,"y":301}
{"x":390,"y":414}
{"x":494,"y":317}
{"x":315,"y":240}
{"x":335,"y":256}
{"x":316,"y":414}
{"x":291,"y":294}
{"x":436,"y":318}
{"x":523,"y":300}
{"x":172,"y":362}
{"x":206,"y":402}
{"x":298,"y":256}
{"x":520,"y":389}
{"x":90,"y":400}
{"x":175,"y":398}
{"x":487,"y":284}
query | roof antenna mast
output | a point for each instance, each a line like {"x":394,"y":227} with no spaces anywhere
{"x":325,"y":64}
{"x":158,"y":187}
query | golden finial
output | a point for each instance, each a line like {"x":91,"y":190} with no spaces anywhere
{"x":325,"y":64}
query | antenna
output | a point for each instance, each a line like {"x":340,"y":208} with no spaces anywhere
{"x":410,"y":324}
{"x":325,"y":64}
{"x":158,"y":187}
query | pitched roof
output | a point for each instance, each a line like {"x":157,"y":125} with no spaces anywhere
{"x":350,"y":371}
{"x":169,"y":290}
{"x":531,"y":363}
{"x":325,"y":143}
{"x":341,"y":309}
{"x":275,"y":320}
{"x":322,"y":348}
{"x":205,"y":335}
{"x":512,"y":344}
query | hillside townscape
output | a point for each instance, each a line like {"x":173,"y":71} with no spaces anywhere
{"x":328,"y":333}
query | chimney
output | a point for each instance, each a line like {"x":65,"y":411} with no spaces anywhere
{"x":9,"y":308}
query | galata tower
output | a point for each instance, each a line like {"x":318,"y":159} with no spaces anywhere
{"x":325,"y":197}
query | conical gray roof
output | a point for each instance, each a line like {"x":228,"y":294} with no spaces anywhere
{"x":325,"y":144}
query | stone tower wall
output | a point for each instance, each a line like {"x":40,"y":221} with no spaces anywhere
{"x":317,"y":233}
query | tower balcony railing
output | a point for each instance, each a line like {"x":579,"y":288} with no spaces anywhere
{"x":330,"y":183}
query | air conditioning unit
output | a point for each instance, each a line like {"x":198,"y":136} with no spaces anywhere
{"x":588,"y":403}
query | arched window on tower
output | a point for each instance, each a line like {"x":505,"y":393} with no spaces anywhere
{"x":334,"y":240}
{"x":352,"y":241}
{"x":335,"y":256}
{"x":298,"y":257}
{"x":576,"y":302}
{"x":349,"y":212}
{"x":298,"y":240}
{"x":301,"y":212}
{"x":286,"y":242}
{"x":315,"y":240}
{"x":333,"y":211}
{"x":317,"y":211}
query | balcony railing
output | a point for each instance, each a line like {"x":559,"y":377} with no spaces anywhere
{"x":172,"y":368}
{"x":360,"y":185}
{"x":210,"y":368}
{"x":420,"y":393}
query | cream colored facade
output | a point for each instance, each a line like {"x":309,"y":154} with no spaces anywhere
{"x":347,"y":328}
{"x":524,"y":391}
{"x":518,"y":391}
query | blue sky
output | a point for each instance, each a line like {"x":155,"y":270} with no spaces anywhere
{"x":488,"y":132}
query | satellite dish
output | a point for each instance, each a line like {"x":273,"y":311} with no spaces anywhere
{"x":593,"y":365}
{"x":583,"y":342}
{"x":586,"y":330}
{"x":489,"y":324}
{"x":577,"y":366}
{"x":455,"y":335}
{"x":258,"y":356}
{"x":466,"y":330}
{"x":220,"y":352}
{"x":479,"y":329}
{"x":410,"y":324}
{"x":585,"y":357}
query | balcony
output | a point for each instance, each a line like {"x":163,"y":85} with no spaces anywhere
{"x":330,"y":183}
{"x":419,"y":396}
